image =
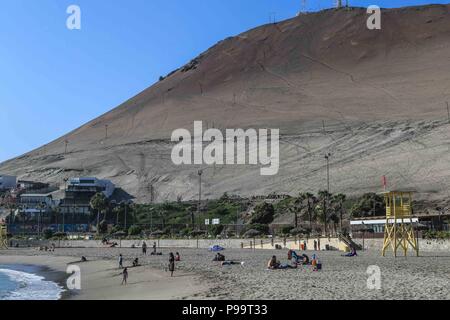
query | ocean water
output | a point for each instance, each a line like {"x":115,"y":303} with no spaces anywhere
{"x":19,"y":282}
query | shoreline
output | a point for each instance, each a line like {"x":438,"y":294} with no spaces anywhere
{"x":197,"y":277}
{"x":101,"y":278}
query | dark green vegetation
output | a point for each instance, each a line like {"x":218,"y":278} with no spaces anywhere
{"x":304,"y":214}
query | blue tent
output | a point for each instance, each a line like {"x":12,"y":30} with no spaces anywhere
{"x":216,"y":248}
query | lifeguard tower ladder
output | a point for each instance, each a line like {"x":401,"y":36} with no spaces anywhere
{"x":3,"y":236}
{"x":399,"y":229}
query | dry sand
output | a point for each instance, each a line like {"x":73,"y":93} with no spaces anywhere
{"x":197,"y":277}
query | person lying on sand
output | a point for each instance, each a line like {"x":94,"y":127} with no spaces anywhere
{"x":231,"y":262}
{"x":296,"y":259}
{"x":352,"y":253}
{"x":274,"y":264}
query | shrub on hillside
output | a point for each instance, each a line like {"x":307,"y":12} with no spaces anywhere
{"x":134,"y":230}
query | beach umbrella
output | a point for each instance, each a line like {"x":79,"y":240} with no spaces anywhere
{"x":120,"y":234}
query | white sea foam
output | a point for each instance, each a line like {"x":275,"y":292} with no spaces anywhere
{"x":30,"y":287}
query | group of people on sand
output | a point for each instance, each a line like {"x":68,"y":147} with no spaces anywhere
{"x":171,"y":266}
{"x":296,"y":260}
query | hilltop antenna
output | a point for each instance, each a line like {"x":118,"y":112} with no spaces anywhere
{"x":303,"y":6}
{"x":106,"y":131}
{"x":273,"y":14}
{"x":66,"y":142}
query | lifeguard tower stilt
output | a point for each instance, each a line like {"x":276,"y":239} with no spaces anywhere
{"x":399,"y":229}
{"x":3,"y":236}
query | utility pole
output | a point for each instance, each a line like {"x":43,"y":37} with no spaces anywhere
{"x":448,"y":113}
{"x":327,"y":157}
{"x":200,"y":172}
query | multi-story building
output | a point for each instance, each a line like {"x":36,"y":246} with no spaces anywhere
{"x":79,"y":192}
{"x":33,"y":204}
{"x":31,"y":185}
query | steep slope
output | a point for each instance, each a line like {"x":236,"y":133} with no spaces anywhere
{"x":375,"y":99}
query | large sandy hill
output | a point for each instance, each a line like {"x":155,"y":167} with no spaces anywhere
{"x":380,"y":93}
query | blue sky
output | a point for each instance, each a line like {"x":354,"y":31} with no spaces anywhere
{"x":53,"y":80}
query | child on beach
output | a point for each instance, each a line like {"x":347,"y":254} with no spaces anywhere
{"x":124,"y":276}
{"x":120,"y":261}
{"x":177,"y":257}
{"x":144,"y":248}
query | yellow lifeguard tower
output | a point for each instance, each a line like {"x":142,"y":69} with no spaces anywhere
{"x":3,"y":236}
{"x":399,"y":229}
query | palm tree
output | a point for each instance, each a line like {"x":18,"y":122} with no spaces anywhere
{"x":311,"y":200}
{"x":117,"y":211}
{"x":339,"y":199}
{"x":297,"y":206}
{"x":99,"y":202}
{"x":324,"y":199}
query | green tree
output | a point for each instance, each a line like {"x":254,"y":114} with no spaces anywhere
{"x":323,"y":208}
{"x":311,"y":201}
{"x":339,"y":200}
{"x":99,"y":203}
{"x":370,"y":204}
{"x":264,"y":214}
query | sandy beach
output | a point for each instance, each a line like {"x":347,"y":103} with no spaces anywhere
{"x":198,"y":277}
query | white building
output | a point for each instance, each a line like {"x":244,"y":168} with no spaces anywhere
{"x":36,"y":203}
{"x":91,"y":184}
{"x":7,"y":182}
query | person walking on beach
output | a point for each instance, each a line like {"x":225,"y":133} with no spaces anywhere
{"x":315,"y":245}
{"x":154,"y":247}
{"x":171,"y":264}
{"x":144,"y":248}
{"x":120,"y":261}
{"x":124,"y":276}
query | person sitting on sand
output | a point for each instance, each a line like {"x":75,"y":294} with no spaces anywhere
{"x":136,"y":262}
{"x":305,"y":259}
{"x":273,"y":263}
{"x":219,"y":257}
{"x":124,"y":276}
{"x":177,"y":257}
{"x":83,"y":259}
